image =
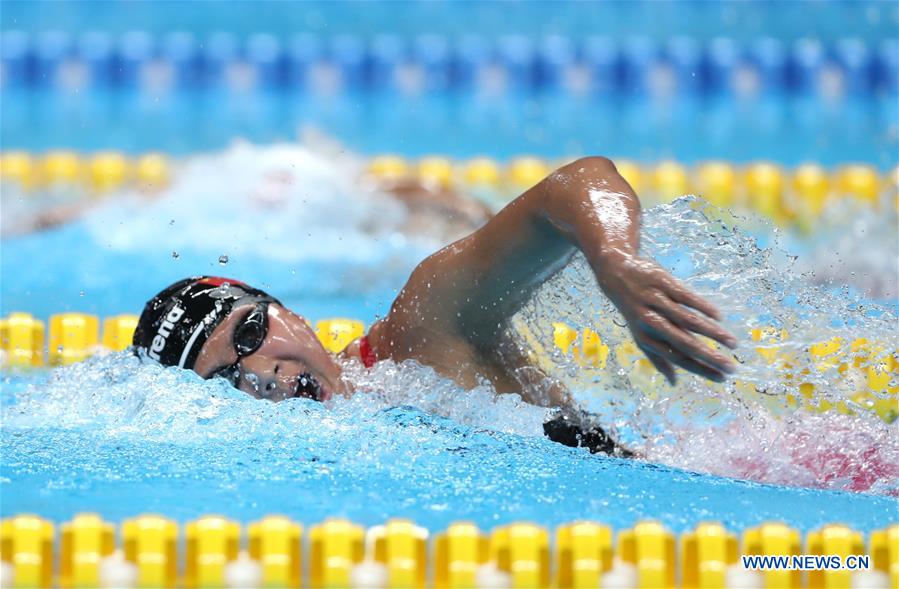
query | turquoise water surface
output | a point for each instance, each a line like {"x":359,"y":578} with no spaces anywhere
{"x":121,"y":436}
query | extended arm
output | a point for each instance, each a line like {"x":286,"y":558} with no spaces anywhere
{"x":470,"y":288}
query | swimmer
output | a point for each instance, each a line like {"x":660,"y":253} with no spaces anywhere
{"x":454,"y":309}
{"x":436,"y":212}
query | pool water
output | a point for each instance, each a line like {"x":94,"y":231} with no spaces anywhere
{"x":140,"y":439}
{"x":783,"y":82}
{"x":788,"y":130}
{"x":122,"y":436}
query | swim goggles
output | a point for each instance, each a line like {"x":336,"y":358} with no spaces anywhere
{"x":248,"y":337}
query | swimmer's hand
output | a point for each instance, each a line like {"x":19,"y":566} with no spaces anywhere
{"x":661,"y":313}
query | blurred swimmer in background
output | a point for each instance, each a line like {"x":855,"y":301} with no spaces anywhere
{"x":451,"y":212}
{"x":452,"y":313}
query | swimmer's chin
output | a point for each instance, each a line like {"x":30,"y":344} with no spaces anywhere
{"x":324,"y":394}
{"x":339,"y":389}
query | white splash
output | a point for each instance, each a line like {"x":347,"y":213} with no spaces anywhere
{"x":760,"y":424}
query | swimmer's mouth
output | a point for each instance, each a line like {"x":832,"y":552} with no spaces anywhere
{"x":309,"y":387}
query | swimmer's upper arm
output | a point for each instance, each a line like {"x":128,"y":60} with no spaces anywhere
{"x":470,"y":289}
{"x":537,"y":233}
{"x":473,"y":285}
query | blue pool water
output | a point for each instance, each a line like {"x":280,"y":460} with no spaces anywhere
{"x":789,"y":130}
{"x":144,"y":441}
{"x":785,"y":20}
{"x":120,"y":436}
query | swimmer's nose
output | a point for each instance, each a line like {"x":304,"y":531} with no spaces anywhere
{"x":274,"y":384}
{"x":283,"y":386}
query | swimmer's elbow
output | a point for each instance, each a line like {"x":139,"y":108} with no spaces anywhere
{"x":570,"y":182}
{"x":595,"y":162}
{"x":591,"y":166}
{"x":581,"y":172}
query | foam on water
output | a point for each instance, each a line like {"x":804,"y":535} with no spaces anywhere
{"x":122,"y":436}
{"x":840,"y":249}
{"x":275,"y":203}
{"x":121,"y":393}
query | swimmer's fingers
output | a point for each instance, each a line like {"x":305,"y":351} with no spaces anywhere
{"x":679,"y":293}
{"x":661,"y":364}
{"x":672,"y":355}
{"x":686,"y":343}
{"x":688,"y":320}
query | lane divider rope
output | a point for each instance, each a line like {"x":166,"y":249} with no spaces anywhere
{"x":75,"y":337}
{"x":278,"y":552}
{"x":598,"y":65}
{"x":794,"y":196}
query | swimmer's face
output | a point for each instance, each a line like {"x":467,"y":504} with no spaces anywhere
{"x":279,"y":369}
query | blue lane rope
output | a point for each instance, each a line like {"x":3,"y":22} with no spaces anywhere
{"x":635,"y":65}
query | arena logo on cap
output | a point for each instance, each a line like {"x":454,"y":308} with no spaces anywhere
{"x":164,"y":331}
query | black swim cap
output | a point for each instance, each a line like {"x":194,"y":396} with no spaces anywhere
{"x":177,"y":322}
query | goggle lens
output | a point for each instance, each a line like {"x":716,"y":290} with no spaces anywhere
{"x":250,"y":334}
{"x":248,"y":337}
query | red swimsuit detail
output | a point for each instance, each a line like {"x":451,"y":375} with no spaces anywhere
{"x":367,"y":355}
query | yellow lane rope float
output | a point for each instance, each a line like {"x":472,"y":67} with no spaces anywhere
{"x":787,"y":196}
{"x":74,"y":337}
{"x":219,"y":552}
{"x":96,"y":174}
